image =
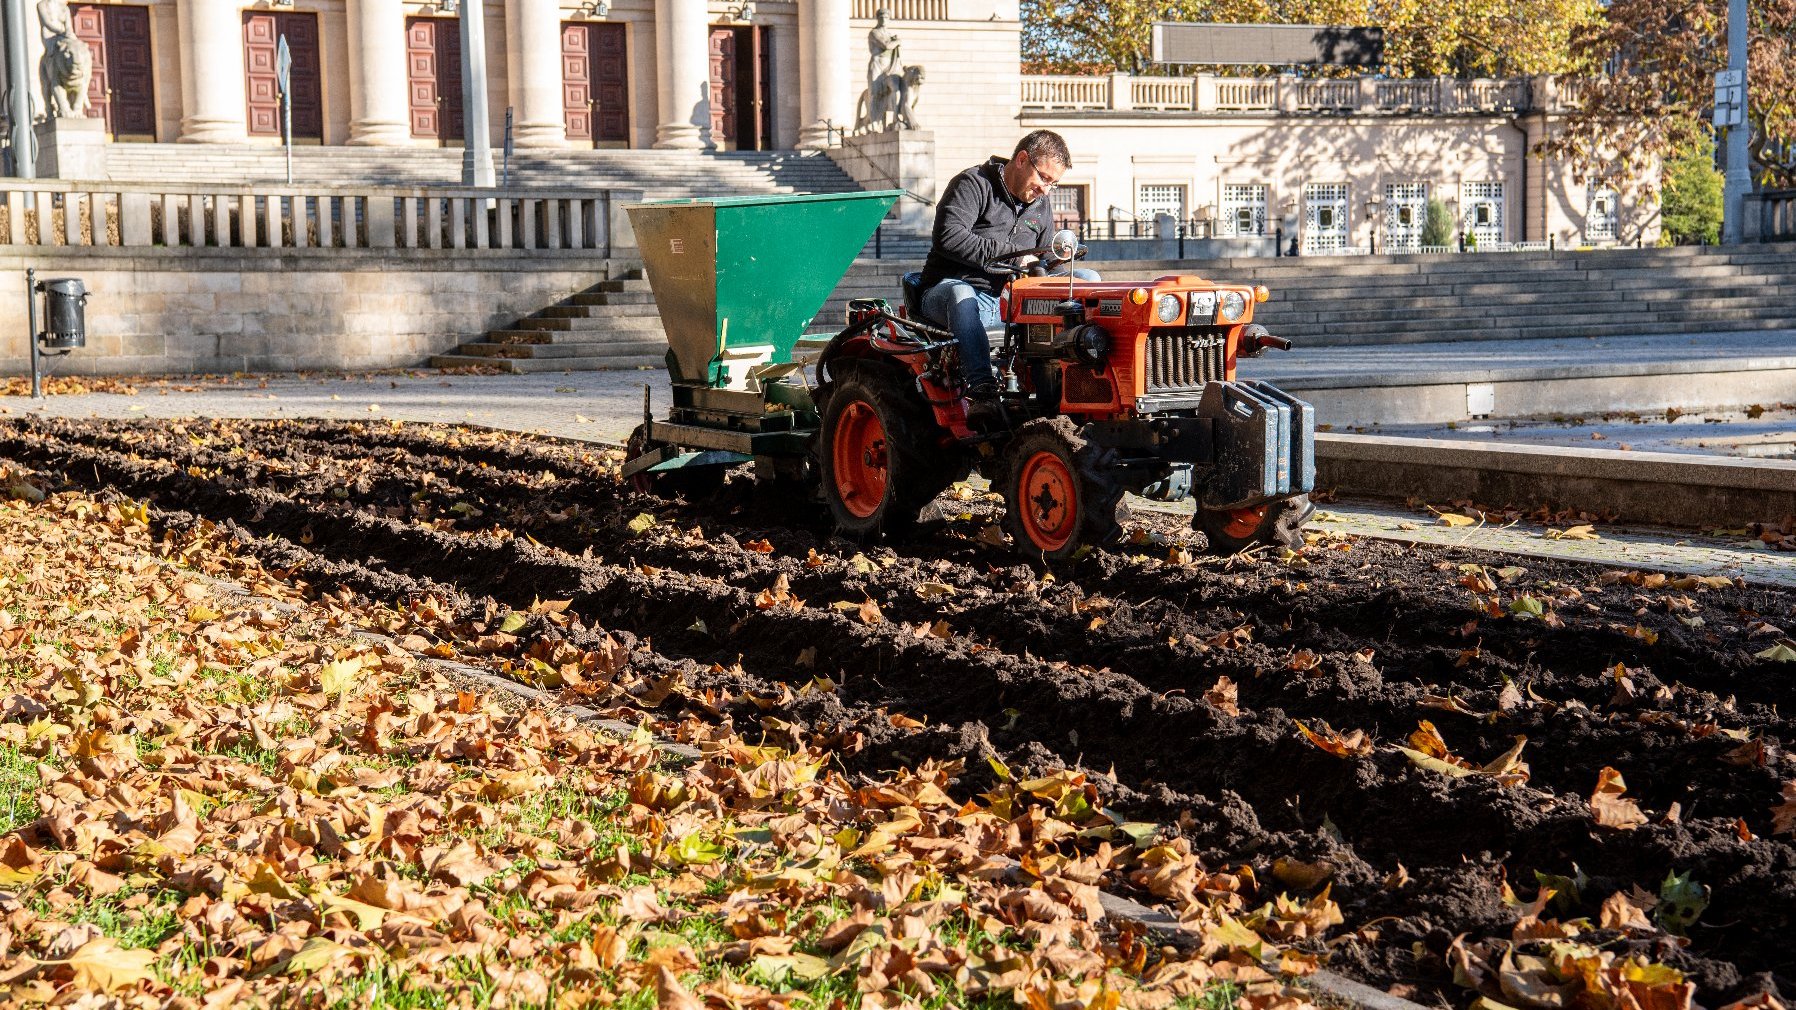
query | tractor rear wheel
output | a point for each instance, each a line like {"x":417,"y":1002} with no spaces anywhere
{"x":1277,"y":523}
{"x":878,"y":453}
{"x":693,"y":483}
{"x":1056,"y":496}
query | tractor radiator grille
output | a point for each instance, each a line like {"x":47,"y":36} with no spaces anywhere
{"x":1185,"y":358}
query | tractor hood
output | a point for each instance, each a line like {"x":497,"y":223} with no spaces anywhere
{"x":747,"y":273}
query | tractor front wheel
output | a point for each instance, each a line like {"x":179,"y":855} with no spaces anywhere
{"x":874,"y":455}
{"x":1277,"y":523}
{"x":1055,"y":498}
{"x":693,"y":483}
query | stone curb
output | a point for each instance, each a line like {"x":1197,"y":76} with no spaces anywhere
{"x":1653,"y":488}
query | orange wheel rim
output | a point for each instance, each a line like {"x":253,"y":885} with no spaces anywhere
{"x":1244,"y":523}
{"x":1049,"y":501}
{"x":859,"y":453}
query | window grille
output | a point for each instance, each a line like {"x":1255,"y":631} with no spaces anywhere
{"x":1243,"y":209}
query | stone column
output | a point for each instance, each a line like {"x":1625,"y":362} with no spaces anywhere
{"x":533,"y":71}
{"x":683,"y":74}
{"x":214,"y":100}
{"x":826,"y":57}
{"x":379,"y":89}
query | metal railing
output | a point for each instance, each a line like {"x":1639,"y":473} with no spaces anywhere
{"x":97,"y":214}
{"x":1437,"y":95}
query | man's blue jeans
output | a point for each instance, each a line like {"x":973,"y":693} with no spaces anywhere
{"x":969,"y":312}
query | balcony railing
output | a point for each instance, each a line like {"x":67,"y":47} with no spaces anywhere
{"x":1361,"y":95}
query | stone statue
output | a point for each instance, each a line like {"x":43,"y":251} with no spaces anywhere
{"x":66,"y":63}
{"x":883,"y":45}
{"x":890,"y":103}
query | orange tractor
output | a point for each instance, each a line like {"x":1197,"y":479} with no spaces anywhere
{"x":1109,"y":387}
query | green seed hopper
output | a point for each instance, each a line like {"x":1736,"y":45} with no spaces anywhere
{"x":737,"y":279}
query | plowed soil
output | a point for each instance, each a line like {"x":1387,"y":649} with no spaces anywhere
{"x":1105,"y":666}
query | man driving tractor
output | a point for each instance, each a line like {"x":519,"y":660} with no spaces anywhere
{"x":989,"y":210}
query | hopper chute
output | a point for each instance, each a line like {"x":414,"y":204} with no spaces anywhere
{"x":739,"y":278}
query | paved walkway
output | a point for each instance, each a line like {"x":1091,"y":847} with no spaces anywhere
{"x":604,"y":406}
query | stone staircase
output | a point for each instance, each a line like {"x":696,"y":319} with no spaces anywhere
{"x":1344,"y":300}
{"x":658,"y":174}
{"x":613,"y":324}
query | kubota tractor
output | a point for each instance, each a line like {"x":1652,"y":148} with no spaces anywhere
{"x":1110,"y":387}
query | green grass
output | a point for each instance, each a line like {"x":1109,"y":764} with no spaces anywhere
{"x":18,"y":789}
{"x":142,"y":926}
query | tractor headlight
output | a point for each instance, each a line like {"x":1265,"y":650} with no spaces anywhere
{"x":1091,"y":346}
{"x":1167,"y":308}
{"x":1234,"y":306}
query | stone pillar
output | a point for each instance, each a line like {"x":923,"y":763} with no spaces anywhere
{"x":826,"y":56}
{"x":214,"y":103}
{"x":533,"y":71}
{"x":683,"y":72}
{"x":379,"y":90}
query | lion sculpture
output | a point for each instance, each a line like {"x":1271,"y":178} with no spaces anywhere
{"x":64,"y":71}
{"x":890,"y":103}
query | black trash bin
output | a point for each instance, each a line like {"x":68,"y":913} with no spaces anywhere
{"x":65,"y":314}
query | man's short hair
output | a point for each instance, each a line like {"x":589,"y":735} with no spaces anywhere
{"x":1044,"y":145}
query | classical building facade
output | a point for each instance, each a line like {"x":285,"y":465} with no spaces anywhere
{"x":736,"y":75}
{"x":1338,"y":164}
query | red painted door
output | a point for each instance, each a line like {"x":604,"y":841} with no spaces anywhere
{"x":261,"y":35}
{"x":433,"y":68}
{"x":121,"y":90}
{"x":741,"y":110}
{"x":723,"y":88}
{"x":595,"y":84}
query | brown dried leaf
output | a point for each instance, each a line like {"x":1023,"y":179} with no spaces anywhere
{"x":1610,"y":808}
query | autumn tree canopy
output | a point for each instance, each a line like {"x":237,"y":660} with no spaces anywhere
{"x":1469,"y":38}
{"x":1657,"y":93}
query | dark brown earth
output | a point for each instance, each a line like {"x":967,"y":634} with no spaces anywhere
{"x":1103,"y":666}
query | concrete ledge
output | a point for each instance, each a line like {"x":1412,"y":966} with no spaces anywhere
{"x":1437,"y":398}
{"x":1654,"y":488}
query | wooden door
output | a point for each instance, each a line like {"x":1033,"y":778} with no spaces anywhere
{"x":741,"y":99}
{"x":261,"y":34}
{"x":121,"y":89}
{"x":595,"y":84}
{"x":724,"y":115}
{"x":433,"y":71}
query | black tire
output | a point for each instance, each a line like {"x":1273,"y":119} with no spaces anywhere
{"x":882,"y":495}
{"x":1280,"y":526}
{"x":1073,"y":503}
{"x":694,"y":484}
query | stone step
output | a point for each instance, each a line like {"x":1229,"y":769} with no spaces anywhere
{"x":579,"y":349}
{"x":622,"y":284}
{"x":613,"y":298}
{"x":515,"y":337}
{"x":598,"y":311}
{"x":524,"y":365}
{"x":651,"y":323}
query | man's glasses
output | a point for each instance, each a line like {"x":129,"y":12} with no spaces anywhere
{"x":1047,"y":184}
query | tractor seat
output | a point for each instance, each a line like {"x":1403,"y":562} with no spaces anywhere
{"x":913,"y":303}
{"x":913,"y":296}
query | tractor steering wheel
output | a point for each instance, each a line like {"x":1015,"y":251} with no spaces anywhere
{"x":1063,"y":248}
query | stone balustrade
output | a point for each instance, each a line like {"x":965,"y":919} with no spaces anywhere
{"x":902,"y":10}
{"x":73,"y":213}
{"x":1431,"y":95}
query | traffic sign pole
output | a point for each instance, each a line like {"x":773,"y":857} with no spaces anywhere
{"x":1737,"y":182}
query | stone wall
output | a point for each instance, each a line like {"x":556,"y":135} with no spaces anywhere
{"x":224,"y":310}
